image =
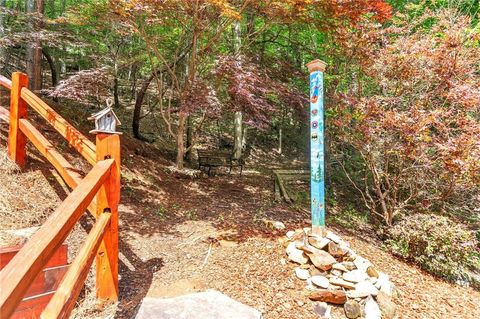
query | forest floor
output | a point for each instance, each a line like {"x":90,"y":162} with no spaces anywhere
{"x":180,"y":235}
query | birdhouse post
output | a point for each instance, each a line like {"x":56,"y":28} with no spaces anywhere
{"x":108,"y":197}
{"x":317,"y":151}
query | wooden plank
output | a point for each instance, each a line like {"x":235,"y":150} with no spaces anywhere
{"x":76,"y":139}
{"x":6,"y":83}
{"x":31,"y":307}
{"x":67,"y":293}
{"x":59,"y":258}
{"x":4,"y":114}
{"x":283,"y":191}
{"x":19,"y":273}
{"x":108,"y":146}
{"x":18,"y":110}
{"x":70,"y":175}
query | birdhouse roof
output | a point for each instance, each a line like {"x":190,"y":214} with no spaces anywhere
{"x":104,"y":112}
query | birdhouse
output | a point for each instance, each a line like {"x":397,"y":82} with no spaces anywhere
{"x":105,"y":121}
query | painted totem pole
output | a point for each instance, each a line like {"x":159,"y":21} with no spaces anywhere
{"x":317,"y":152}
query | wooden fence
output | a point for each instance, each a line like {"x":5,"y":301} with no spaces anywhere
{"x":98,"y":191}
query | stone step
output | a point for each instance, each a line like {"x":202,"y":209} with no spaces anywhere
{"x":203,"y":305}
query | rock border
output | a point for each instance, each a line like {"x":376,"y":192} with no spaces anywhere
{"x":335,"y":274}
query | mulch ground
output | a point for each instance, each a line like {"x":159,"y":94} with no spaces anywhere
{"x":180,"y":235}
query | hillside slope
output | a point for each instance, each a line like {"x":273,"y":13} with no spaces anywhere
{"x":180,"y":235}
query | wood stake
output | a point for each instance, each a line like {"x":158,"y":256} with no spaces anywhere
{"x":18,"y":110}
{"x":108,"y":146}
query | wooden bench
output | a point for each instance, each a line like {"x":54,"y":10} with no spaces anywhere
{"x":211,"y":159}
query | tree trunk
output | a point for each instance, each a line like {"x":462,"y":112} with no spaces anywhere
{"x":182,"y":119}
{"x":53,"y":68}
{"x":63,"y":5}
{"x":238,"y":130}
{"x":3,"y":51}
{"x":237,"y":40}
{"x":237,"y":142}
{"x":137,"y":111}
{"x":189,"y":154}
{"x":280,"y":137}
{"x":244,"y":138}
{"x":116,"y":99}
{"x":34,"y":50}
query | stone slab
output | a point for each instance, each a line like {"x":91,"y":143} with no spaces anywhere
{"x":203,"y":305}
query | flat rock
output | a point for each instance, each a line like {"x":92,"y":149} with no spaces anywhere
{"x":322,"y":260}
{"x":333,"y":237}
{"x":318,"y":242}
{"x":297,"y":256}
{"x":386,"y":305}
{"x":342,"y":283}
{"x":310,"y":286}
{"x":362,"y":263}
{"x":336,"y":272}
{"x":209,"y":304}
{"x":339,"y":266}
{"x":291,"y":247}
{"x":302,"y":274}
{"x":274,"y":224}
{"x":335,"y":250}
{"x":337,"y":297}
{"x":363,"y":289}
{"x":372,"y":310}
{"x":372,"y":272}
{"x":383,"y":284}
{"x":320,"y":281}
{"x":349,"y":265}
{"x":322,"y":310}
{"x":317,"y":272}
{"x":352,"y":309}
{"x":355,"y":276}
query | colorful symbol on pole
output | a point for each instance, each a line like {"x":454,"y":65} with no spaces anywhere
{"x":316,"y":90}
{"x":314,"y":112}
{"x":314,"y":124}
{"x":314,"y":136}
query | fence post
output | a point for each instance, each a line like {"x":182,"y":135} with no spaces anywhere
{"x":18,"y":110}
{"x":108,"y":146}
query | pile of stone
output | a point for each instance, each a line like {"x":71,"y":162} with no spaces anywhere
{"x":335,"y":274}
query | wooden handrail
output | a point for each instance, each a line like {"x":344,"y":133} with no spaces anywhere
{"x":76,"y":139}
{"x":69,"y":174}
{"x":99,"y":192}
{"x":63,"y":302}
{"x":22,"y":269}
{"x":6,"y":83}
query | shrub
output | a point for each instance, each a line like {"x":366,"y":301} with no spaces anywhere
{"x":437,"y":244}
{"x":410,"y":142}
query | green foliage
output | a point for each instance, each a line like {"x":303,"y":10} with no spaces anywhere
{"x":191,"y":214}
{"x":437,"y":244}
{"x":349,"y":218}
{"x":161,"y":212}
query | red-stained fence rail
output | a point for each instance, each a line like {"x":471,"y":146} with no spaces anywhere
{"x":98,"y":191}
